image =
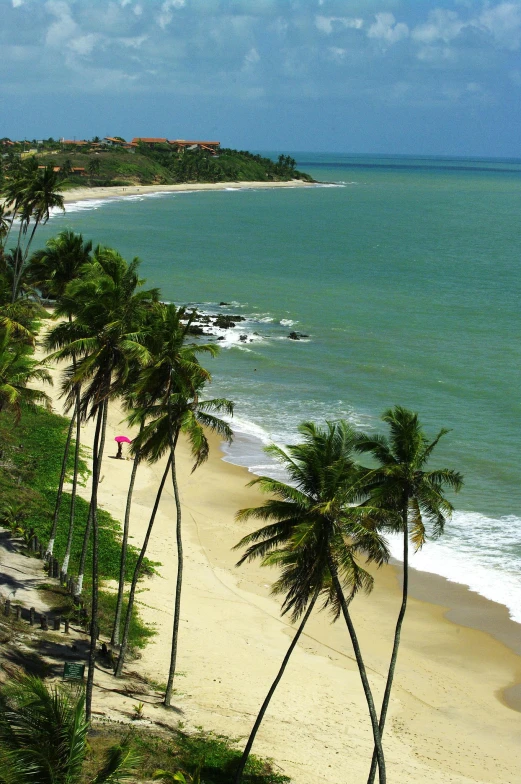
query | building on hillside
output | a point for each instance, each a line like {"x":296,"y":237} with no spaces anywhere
{"x":78,"y":170}
{"x":6,"y":142}
{"x":113,"y":141}
{"x":130,"y":146}
{"x":74,"y":143}
{"x":183,"y":144}
{"x":148,"y":140}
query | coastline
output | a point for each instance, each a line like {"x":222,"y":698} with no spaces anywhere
{"x":449,"y":719}
{"x":110,"y":192}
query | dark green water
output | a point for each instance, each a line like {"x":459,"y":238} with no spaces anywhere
{"x":406,"y":276}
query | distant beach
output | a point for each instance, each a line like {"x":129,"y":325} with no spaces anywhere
{"x":80,"y":194}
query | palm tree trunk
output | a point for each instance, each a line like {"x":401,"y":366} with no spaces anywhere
{"x":396,"y":644}
{"x":246,"y":753}
{"x":179,"y":582}
{"x":101,"y":427}
{"x":52,"y":537}
{"x":66,"y":557}
{"x":19,"y":272}
{"x":124,"y":642}
{"x":86,"y":534}
{"x":123,"y":561}
{"x":361,"y":669}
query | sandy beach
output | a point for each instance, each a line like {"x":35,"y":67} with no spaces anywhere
{"x":80,"y":194}
{"x":450,"y":719}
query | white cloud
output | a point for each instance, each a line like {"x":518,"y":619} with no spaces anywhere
{"x":84,"y":44}
{"x":503,"y":22}
{"x":252,"y":57}
{"x":138,"y":9}
{"x":330,"y":24}
{"x":165,"y":16}
{"x":386,"y":28}
{"x":64,"y":28}
{"x":442,"y":25}
{"x":17,"y":3}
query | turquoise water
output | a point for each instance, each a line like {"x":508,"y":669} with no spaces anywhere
{"x":405,"y":275}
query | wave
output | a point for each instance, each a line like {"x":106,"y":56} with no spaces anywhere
{"x":478,"y":551}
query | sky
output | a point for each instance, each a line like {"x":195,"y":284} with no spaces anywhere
{"x":432,"y":77}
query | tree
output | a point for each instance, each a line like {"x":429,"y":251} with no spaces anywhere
{"x":43,"y":737}
{"x":17,"y":371}
{"x":171,"y":386}
{"x":400,"y":482}
{"x":315,"y":533}
{"x":31,"y":195}
{"x":51,"y":270}
{"x":102,"y":342}
{"x":94,"y":166}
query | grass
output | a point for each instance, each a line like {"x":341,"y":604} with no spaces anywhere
{"x":216,"y":755}
{"x":32,"y":452}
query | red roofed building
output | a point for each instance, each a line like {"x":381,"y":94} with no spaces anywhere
{"x":183,"y":144}
{"x":73,"y":143}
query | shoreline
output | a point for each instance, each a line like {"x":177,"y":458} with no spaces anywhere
{"x":448,"y":719}
{"x":117,"y":191}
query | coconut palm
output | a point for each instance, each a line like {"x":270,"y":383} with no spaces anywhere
{"x":43,"y":737}
{"x":402,"y":483}
{"x":31,"y":196}
{"x":102,"y":342}
{"x":315,"y":533}
{"x":17,"y":370}
{"x":51,"y":269}
{"x":174,"y":380}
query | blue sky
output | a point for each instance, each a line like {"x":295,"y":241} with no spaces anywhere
{"x":387,"y":76}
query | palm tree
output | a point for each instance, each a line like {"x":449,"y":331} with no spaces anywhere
{"x":402,"y":483}
{"x":43,"y":737}
{"x":171,"y":385}
{"x":17,"y":370}
{"x":51,"y":270}
{"x":315,"y":533}
{"x":102,"y":342}
{"x":32,"y":196}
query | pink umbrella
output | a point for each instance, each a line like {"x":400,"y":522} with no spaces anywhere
{"x":120,"y":441}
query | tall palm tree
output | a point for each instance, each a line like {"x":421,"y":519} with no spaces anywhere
{"x":315,"y":533}
{"x":32,"y":197}
{"x":402,"y":483}
{"x":43,"y":737}
{"x":172,"y":384}
{"x":102,"y":342}
{"x":17,"y":370}
{"x":51,"y":269}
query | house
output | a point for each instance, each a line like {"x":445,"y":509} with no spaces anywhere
{"x":149,"y":141}
{"x":183,"y":144}
{"x":130,"y":147}
{"x":79,"y":170}
{"x":113,"y":141}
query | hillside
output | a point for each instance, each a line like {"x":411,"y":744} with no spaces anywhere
{"x":105,"y":167}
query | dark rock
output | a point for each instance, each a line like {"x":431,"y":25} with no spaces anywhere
{"x":243,"y":338}
{"x":297,"y":335}
{"x":225,"y":322}
{"x":195,"y":329}
{"x":223,"y":304}
{"x":221,"y":337}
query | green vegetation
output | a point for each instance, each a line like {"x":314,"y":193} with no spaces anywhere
{"x":214,"y":757}
{"x":31,"y":458}
{"x":100,"y":165}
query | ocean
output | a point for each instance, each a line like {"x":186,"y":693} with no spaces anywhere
{"x":404,"y":274}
